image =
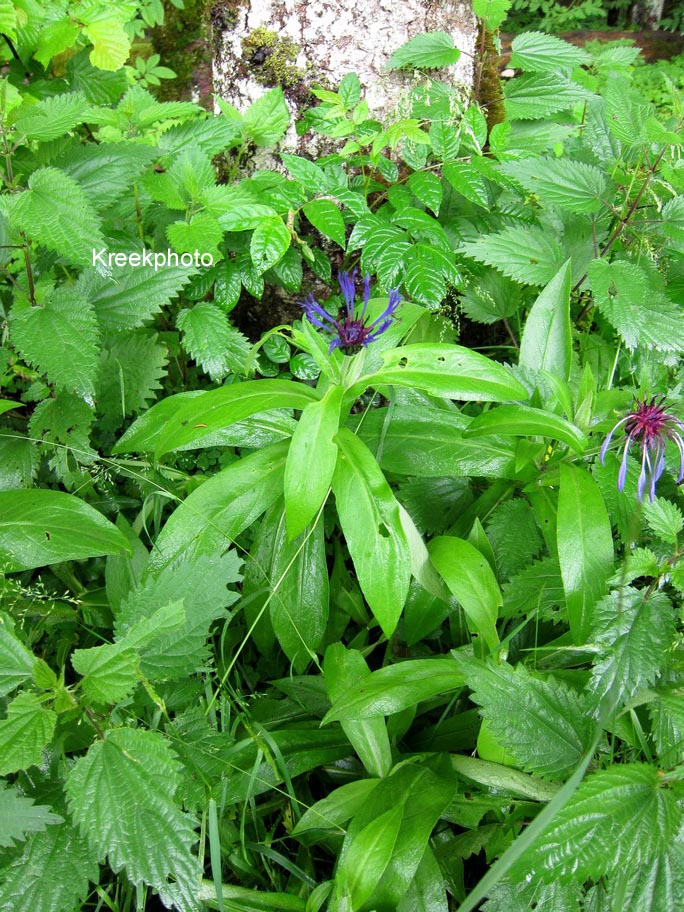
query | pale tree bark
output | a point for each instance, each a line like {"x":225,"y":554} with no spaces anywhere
{"x":297,"y":43}
{"x":648,"y":13}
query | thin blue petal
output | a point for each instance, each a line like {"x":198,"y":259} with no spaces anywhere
{"x":642,"y":475}
{"x":622,"y":474}
{"x":609,"y":437}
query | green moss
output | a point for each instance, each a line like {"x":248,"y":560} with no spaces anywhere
{"x":271,"y":59}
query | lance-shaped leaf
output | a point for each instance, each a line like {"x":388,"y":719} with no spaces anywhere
{"x":39,"y":527}
{"x":470,"y":578}
{"x":523,"y":421}
{"x":585,"y":547}
{"x":311,"y":460}
{"x":214,"y":410}
{"x":546,"y":342}
{"x":371,"y":523}
{"x":448,"y":372}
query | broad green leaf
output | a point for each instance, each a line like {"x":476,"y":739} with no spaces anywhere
{"x":269,"y":243}
{"x":470,"y":578}
{"x":335,"y":809}
{"x":131,"y":373}
{"x":267,"y":119}
{"x":111,"y":44}
{"x":297,"y":575}
{"x":214,"y":410}
{"x":397,"y":687}
{"x":657,"y":884}
{"x":344,"y":668}
{"x":310,"y":175}
{"x":513,"y":531}
{"x":210,"y":339}
{"x":428,"y":188}
{"x":422,"y":793}
{"x":619,"y":817}
{"x":493,"y":12}
{"x":311,"y":460}
{"x":106,"y":172}
{"x":19,"y":816}
{"x":545,"y":53}
{"x":585,"y":547}
{"x":202,"y":233}
{"x":638,"y":308}
{"x":446,"y":371}
{"x":429,"y":442}
{"x":61,"y":339}
{"x":16,"y":662}
{"x":365,"y":862}
{"x":430,"y":50}
{"x":526,"y":253}
{"x":522,"y":421}
{"x":39,"y":527}
{"x":546,"y":342}
{"x":371,"y":523}
{"x":327,"y":218}
{"x":6,"y":405}
{"x":302,"y":749}
{"x":536,"y":96}
{"x":467,"y":181}
{"x":121,"y":796}
{"x":56,"y":213}
{"x":54,"y":872}
{"x":24,"y":733}
{"x":210,"y":518}
{"x":428,"y":269}
{"x":548,"y":727}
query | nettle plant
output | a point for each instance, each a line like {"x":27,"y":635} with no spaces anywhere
{"x":343,"y":638}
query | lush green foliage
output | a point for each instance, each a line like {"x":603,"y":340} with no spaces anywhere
{"x":290,"y":629}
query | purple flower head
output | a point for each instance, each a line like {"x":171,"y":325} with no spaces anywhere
{"x":350,"y":328}
{"x":651,"y":426}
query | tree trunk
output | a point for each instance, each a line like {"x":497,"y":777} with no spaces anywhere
{"x":298,"y":43}
{"x":648,"y":13}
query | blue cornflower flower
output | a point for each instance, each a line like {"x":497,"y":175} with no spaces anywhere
{"x":652,"y":426}
{"x":350,"y":328}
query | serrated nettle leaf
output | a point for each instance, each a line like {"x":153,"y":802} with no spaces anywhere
{"x":25,"y":732}
{"x":523,"y":421}
{"x":535,"y":96}
{"x":664,"y":519}
{"x":70,"y":862}
{"x":311,"y":460}
{"x":571,"y":185}
{"x":202,"y":234}
{"x":121,"y":795}
{"x":470,"y":578}
{"x":109,"y":672}
{"x":371,"y":523}
{"x":51,"y":117}
{"x":16,"y":662}
{"x":446,"y":371}
{"x":634,"y":634}
{"x":545,"y":53}
{"x":39,"y":527}
{"x":585,"y":547}
{"x":431,"y":50}
{"x":492,"y":11}
{"x":547,"y":729}
{"x":208,"y":338}
{"x":61,"y":339}
{"x":620,"y":816}
{"x":529,"y":255}
{"x":19,"y":816}
{"x":56,"y":213}
{"x":641,"y":313}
